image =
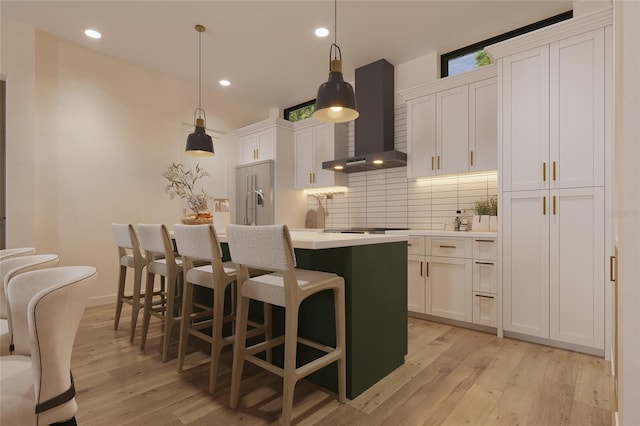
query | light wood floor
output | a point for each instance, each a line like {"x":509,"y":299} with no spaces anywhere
{"x":451,"y":376}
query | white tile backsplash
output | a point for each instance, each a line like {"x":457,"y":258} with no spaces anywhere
{"x":387,"y":199}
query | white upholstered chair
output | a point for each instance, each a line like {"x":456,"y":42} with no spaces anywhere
{"x":9,"y":268}
{"x":19,"y":251}
{"x":35,"y":384}
{"x":200,"y":242}
{"x":129,"y":256}
{"x":156,"y":243}
{"x":269,"y":247}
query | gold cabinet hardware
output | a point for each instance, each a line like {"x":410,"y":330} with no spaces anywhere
{"x":421,"y":268}
{"x":472,"y":158}
{"x":544,"y":205}
{"x":485,"y":263}
{"x":554,"y":204}
{"x":483,"y":296}
{"x":438,"y":162}
{"x":314,"y":178}
{"x":611,"y":263}
{"x":427,"y":269}
{"x":554,"y":170}
{"x":432,"y":166}
{"x":544,"y":172}
{"x":485,"y":241}
{"x":447,"y":246}
{"x":409,"y":244}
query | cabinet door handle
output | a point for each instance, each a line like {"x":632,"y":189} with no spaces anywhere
{"x":554,"y":204}
{"x":544,"y":205}
{"x":485,"y":263}
{"x":427,"y":269}
{"x":484,"y":297}
{"x":432,"y":160}
{"x":310,"y":180}
{"x":472,"y":158}
{"x":611,"y":262}
{"x":554,"y":170}
{"x":544,"y":172}
{"x":421,"y":268}
{"x":448,"y":247}
{"x":438,"y":162}
{"x":485,"y":241}
{"x":409,"y":244}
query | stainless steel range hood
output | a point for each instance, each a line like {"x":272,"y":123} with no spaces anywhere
{"x":374,"y":129}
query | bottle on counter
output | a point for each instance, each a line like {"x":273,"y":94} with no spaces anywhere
{"x":456,"y":221}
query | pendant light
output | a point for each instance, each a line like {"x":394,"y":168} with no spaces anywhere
{"x":336,"y":102}
{"x":199,"y":143}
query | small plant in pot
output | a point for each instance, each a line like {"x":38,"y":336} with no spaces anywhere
{"x":485,"y":218}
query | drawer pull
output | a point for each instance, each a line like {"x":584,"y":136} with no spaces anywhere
{"x":448,"y":247}
{"x":427,"y":269}
{"x":485,"y":263}
{"x":420,"y":268}
{"x":611,"y":268}
{"x":409,"y":244}
{"x":485,"y":241}
{"x":484,"y":297}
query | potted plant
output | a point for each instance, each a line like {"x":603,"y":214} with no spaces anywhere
{"x":182,"y":183}
{"x":486,"y":217}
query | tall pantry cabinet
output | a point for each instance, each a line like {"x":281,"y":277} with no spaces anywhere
{"x":554,"y":144}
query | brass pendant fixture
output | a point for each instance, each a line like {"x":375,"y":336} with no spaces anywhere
{"x":336,"y":101}
{"x":199,"y":143}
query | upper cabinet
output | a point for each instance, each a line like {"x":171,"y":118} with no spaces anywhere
{"x":314,"y":143}
{"x":553,"y":103}
{"x":258,"y":141}
{"x":452,"y":124}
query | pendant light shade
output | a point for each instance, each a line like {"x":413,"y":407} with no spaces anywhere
{"x":335,"y":102}
{"x":199,"y":143}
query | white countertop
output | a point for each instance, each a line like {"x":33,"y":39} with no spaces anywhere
{"x":442,"y":233}
{"x":319,"y":240}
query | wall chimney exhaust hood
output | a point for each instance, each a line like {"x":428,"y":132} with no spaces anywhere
{"x":374,"y":129}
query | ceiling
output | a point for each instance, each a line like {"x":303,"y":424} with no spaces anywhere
{"x":267,"y":49}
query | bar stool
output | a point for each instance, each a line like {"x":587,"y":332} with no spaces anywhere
{"x":200,"y":242}
{"x":129,"y":256}
{"x":13,"y":252}
{"x":155,"y":241}
{"x":269,"y":247}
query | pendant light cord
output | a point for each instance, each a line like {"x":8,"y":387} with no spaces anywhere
{"x":199,"y":73}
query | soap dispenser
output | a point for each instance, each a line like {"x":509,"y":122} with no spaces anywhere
{"x":456,"y":222}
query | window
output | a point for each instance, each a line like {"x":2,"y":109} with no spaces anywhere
{"x":474,"y":56}
{"x":301,"y":111}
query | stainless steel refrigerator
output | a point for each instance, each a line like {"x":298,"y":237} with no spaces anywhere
{"x":255,"y":193}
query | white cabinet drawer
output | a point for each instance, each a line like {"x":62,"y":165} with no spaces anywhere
{"x":485,"y":249}
{"x":417,"y":245}
{"x":451,"y":247}
{"x":485,"y":309}
{"x":485,"y":276}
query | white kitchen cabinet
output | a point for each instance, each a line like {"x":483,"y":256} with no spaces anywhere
{"x":485,"y":281}
{"x":451,"y":124}
{"x":419,"y":284}
{"x":555,"y":141}
{"x":452,"y":131}
{"x":553,"y":114}
{"x":314,"y":143}
{"x":485,"y":309}
{"x":259,"y":141}
{"x":483,"y":125}
{"x":451,"y":288}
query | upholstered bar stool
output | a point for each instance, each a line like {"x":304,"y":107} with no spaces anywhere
{"x":13,"y":252}
{"x":9,"y":268}
{"x":155,"y":241}
{"x":200,"y":242}
{"x":36,"y":387}
{"x":130,"y":255}
{"x":269,"y":247}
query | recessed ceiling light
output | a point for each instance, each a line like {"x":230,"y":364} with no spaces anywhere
{"x":322,"y":32}
{"x":92,"y":33}
{"x":224,"y":83}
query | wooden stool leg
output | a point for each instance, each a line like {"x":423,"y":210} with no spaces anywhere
{"x":121,"y":283}
{"x":185,"y":323}
{"x":268,"y":329}
{"x":135,"y":301}
{"x":216,"y":335}
{"x":239,"y":347}
{"x":340,"y":319}
{"x":148,"y":306}
{"x":290,"y":377}
{"x":168,"y":316}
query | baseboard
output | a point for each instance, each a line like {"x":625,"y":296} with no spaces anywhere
{"x":457,"y":323}
{"x":101,"y":300}
{"x":555,"y":343}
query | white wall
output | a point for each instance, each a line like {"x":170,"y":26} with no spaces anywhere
{"x":88,"y":138}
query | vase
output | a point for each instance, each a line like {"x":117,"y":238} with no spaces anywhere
{"x":493,"y":223}
{"x":480,"y":223}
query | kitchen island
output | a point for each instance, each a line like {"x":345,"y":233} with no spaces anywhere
{"x":374,"y":268}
